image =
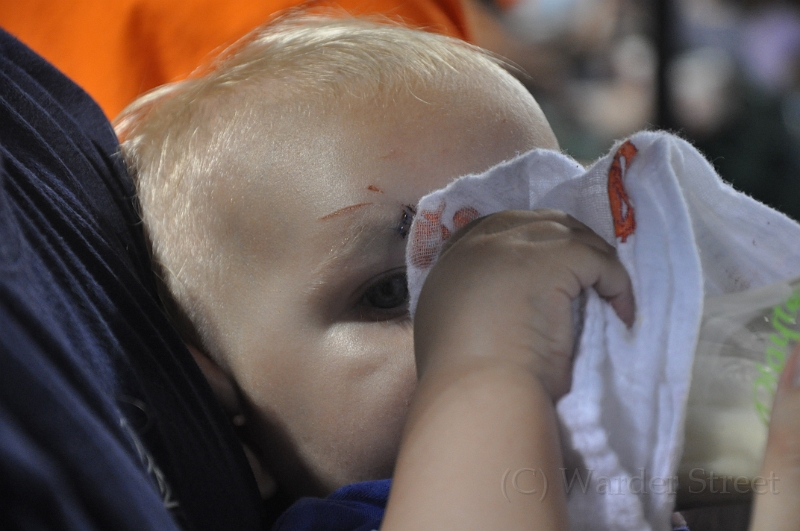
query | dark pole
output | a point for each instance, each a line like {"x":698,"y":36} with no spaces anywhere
{"x":665,"y":44}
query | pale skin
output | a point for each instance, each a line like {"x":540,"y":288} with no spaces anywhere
{"x":317,"y":355}
{"x":779,"y":509}
{"x":321,"y":374}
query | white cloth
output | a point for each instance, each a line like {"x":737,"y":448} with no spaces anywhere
{"x":682,"y":233}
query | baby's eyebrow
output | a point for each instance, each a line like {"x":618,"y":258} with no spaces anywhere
{"x":344,"y":210}
{"x":367,"y":231}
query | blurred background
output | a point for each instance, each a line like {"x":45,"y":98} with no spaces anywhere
{"x":724,"y":74}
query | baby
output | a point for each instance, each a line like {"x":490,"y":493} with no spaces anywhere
{"x":277,"y":189}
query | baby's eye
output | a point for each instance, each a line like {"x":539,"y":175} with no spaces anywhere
{"x":388,"y":293}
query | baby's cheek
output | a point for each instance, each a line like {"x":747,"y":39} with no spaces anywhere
{"x":394,"y":394}
{"x":366,"y":402}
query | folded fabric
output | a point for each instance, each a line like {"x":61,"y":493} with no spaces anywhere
{"x":682,"y":234}
{"x":355,"y":507}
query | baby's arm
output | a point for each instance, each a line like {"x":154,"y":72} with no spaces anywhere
{"x":493,"y":339}
{"x":776,"y":495}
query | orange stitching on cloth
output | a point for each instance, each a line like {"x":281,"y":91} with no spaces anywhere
{"x":428,"y":236}
{"x":621,"y":207}
{"x":430,"y":233}
{"x":463,"y":216}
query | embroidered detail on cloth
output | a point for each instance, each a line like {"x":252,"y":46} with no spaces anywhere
{"x":621,"y":208}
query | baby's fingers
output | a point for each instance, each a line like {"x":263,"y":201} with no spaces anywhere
{"x":574,"y":246}
{"x":777,"y":489}
{"x":604,"y":272}
{"x":542,"y":224}
{"x":614,"y":285}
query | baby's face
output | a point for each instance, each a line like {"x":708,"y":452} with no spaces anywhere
{"x":316,"y":331}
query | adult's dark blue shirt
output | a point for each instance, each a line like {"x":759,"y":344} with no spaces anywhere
{"x":105,"y":420}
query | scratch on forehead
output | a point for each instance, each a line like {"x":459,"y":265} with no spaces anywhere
{"x":344,"y":210}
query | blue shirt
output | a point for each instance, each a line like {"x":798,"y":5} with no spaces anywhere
{"x":105,"y":420}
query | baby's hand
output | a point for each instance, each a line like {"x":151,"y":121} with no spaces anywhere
{"x":501,"y":292}
{"x":493,"y":340}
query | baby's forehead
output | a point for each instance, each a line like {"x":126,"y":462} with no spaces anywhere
{"x":295,"y":153}
{"x":284,"y":110}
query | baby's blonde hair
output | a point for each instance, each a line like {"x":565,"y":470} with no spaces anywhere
{"x":175,"y":138}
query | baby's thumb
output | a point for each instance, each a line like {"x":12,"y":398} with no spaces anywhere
{"x":776,"y":491}
{"x":614,"y":285}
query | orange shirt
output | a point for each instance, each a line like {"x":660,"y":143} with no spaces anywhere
{"x":118,"y":49}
